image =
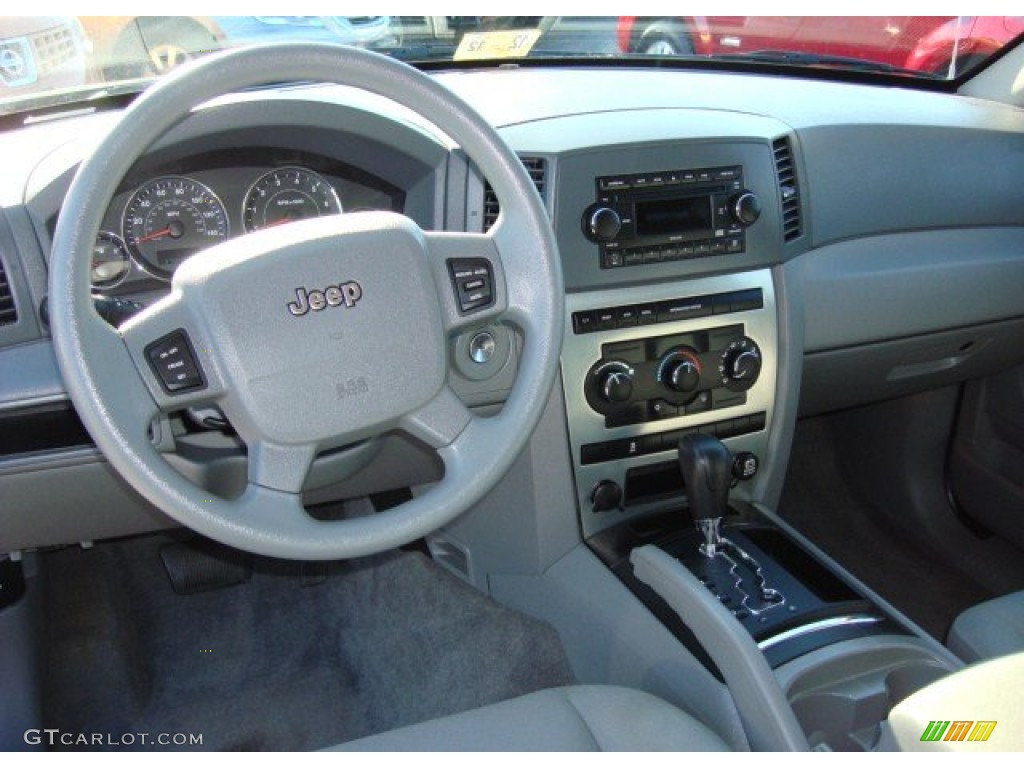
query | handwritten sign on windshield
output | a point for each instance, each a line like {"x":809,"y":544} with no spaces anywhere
{"x":496,"y":44}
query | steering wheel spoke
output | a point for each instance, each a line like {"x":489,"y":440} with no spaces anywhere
{"x":173,"y":360}
{"x":440,"y":421}
{"x":470,"y":279}
{"x":280,"y":467}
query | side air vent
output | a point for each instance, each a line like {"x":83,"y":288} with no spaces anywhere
{"x":536,"y":167}
{"x":8,"y":311}
{"x":789,"y":189}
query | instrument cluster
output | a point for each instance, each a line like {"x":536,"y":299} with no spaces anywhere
{"x":182,"y":208}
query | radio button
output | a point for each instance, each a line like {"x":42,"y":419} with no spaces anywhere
{"x":612,"y":259}
{"x":702,"y":248}
{"x":633,"y":257}
{"x":652,"y":256}
{"x":607,"y":185}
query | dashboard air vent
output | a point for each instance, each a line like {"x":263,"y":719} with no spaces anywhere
{"x":8,"y":311}
{"x":789,"y":189}
{"x":536,"y":167}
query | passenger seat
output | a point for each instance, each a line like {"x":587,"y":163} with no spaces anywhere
{"x":989,"y":629}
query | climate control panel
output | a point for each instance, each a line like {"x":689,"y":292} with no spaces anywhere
{"x":671,"y":375}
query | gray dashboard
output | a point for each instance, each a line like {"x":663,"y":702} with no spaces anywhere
{"x":906,"y":272}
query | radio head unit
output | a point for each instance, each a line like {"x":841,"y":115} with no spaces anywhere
{"x":670,"y":216}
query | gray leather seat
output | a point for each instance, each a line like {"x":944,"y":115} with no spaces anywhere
{"x":989,"y":629}
{"x":585,"y":718}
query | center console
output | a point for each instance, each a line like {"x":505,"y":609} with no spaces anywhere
{"x":660,"y":352}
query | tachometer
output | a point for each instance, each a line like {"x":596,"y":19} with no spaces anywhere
{"x":170,"y":218}
{"x":288,"y":194}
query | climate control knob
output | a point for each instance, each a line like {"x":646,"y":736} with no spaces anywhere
{"x":745,"y":208}
{"x":602,"y":224}
{"x":680,"y":370}
{"x":616,"y":386}
{"x":741,"y":364}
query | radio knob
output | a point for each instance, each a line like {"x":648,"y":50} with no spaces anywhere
{"x":616,"y":386}
{"x":741,"y":365}
{"x":745,"y":208}
{"x":603,"y":224}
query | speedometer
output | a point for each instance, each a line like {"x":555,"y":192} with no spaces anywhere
{"x":288,"y":194}
{"x":170,"y":218}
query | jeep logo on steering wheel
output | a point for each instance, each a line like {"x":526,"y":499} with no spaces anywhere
{"x":331,"y":296}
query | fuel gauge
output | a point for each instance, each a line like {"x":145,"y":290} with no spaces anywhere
{"x":110,"y":261}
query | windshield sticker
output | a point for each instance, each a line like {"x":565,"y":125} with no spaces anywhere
{"x":499,"y":44}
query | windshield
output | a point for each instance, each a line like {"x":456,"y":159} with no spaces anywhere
{"x":46,"y":60}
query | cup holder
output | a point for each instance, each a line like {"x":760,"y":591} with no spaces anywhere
{"x":843,"y":693}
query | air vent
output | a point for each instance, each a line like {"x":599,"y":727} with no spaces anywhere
{"x":8,"y":311}
{"x":535,"y":166}
{"x":789,"y":189}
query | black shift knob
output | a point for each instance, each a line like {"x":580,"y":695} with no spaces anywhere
{"x":706,"y":465}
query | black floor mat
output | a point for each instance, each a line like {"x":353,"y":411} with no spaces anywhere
{"x":817,"y":501}
{"x":270,"y":664}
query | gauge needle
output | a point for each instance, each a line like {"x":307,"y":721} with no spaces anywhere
{"x":278,"y":223}
{"x":154,"y":235}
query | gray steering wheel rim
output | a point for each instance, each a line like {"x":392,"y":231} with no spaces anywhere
{"x":92,"y":356}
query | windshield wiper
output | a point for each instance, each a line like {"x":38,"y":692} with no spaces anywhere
{"x":823,"y":60}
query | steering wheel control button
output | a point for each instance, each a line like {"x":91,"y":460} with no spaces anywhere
{"x":174,"y":363}
{"x":473,"y":282}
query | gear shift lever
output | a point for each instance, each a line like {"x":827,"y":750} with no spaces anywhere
{"x":707,"y":468}
{"x":706,"y":465}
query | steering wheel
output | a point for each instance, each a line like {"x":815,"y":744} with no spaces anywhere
{"x":314,"y":335}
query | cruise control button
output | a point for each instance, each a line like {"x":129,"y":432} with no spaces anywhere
{"x":473,"y":283}
{"x":174,"y":363}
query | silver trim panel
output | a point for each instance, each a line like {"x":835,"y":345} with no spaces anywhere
{"x":580,"y":352}
{"x":819,"y":626}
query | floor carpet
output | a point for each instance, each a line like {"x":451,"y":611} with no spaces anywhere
{"x":271,"y":664}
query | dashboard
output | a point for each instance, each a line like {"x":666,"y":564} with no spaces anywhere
{"x":860,"y":253}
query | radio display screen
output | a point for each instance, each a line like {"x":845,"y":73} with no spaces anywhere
{"x":675,"y":216}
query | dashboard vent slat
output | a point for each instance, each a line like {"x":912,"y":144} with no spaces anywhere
{"x":789,"y":189}
{"x":8,"y":310}
{"x":536,"y":167}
